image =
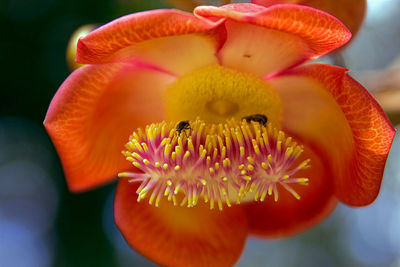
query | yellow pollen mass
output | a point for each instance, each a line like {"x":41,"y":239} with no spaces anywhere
{"x":217,"y":93}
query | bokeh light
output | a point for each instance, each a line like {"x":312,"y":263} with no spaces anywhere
{"x":28,"y":195}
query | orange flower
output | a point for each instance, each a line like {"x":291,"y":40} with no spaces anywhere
{"x":225,"y":62}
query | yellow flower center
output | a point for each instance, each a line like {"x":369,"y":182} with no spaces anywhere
{"x":215,"y":94}
{"x":224,"y":147}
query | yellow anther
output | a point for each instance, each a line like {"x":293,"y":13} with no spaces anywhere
{"x":146,"y":161}
{"x":157,"y":164}
{"x":269,"y":157}
{"x":250,"y":159}
{"x":243,"y":172}
{"x":138,"y":146}
{"x":289,"y":151}
{"x":178,"y":150}
{"x":302,"y":180}
{"x":130,"y":159}
{"x":265,"y":138}
{"x":176,"y":191}
{"x":187,"y":154}
{"x":136,"y":164}
{"x":165,"y":141}
{"x":226,"y":162}
{"x":228,"y":203}
{"x":297,"y":151}
{"x":177,"y":168}
{"x":144,"y":145}
{"x":255,"y":147}
{"x":225,"y":179}
{"x":165,"y":166}
{"x":264,"y":165}
{"x":211,"y":169}
{"x":241,"y":166}
{"x":216,"y":165}
{"x":263,"y":195}
{"x":296,"y":195}
{"x":270,"y":190}
{"x":304,"y":164}
{"x":173,"y":155}
{"x":167,"y":149}
{"x":157,"y":201}
{"x":279,"y":145}
{"x":247,"y":178}
{"x":250,"y":167}
{"x":130,"y":145}
{"x":241,"y":151}
{"x":169,"y":182}
{"x":151,"y":199}
{"x":285,"y":177}
{"x":252,"y":187}
{"x":223,"y":152}
{"x":136,"y":156}
{"x":203,"y":182}
{"x":167,"y":191}
{"x":212,"y":205}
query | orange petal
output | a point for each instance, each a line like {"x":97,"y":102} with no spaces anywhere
{"x":177,"y":236}
{"x":289,"y":216}
{"x":351,"y":13}
{"x":100,"y":45}
{"x":93,"y":113}
{"x":176,"y":54}
{"x":325,"y":106}
{"x":268,"y":40}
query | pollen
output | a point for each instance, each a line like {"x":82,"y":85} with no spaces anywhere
{"x":221,"y":164}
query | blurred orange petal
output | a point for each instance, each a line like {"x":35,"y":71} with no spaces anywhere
{"x":180,"y":236}
{"x":325,"y":106}
{"x":93,"y":113}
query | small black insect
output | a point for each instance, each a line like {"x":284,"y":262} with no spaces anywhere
{"x":260,"y":118}
{"x":183,"y":125}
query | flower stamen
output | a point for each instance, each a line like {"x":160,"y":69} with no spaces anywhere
{"x":217,"y":162}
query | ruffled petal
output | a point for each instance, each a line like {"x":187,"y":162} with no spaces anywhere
{"x":326,"y":107}
{"x":351,"y":13}
{"x":289,"y":216}
{"x":177,"y":236}
{"x":100,"y":45}
{"x":266,"y":41}
{"x":93,"y":113}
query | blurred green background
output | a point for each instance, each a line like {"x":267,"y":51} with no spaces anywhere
{"x":43,"y":224}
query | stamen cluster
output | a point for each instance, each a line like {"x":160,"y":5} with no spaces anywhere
{"x":217,"y":162}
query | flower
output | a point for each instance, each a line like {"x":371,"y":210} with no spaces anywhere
{"x":351,"y":13}
{"x":235,"y":61}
